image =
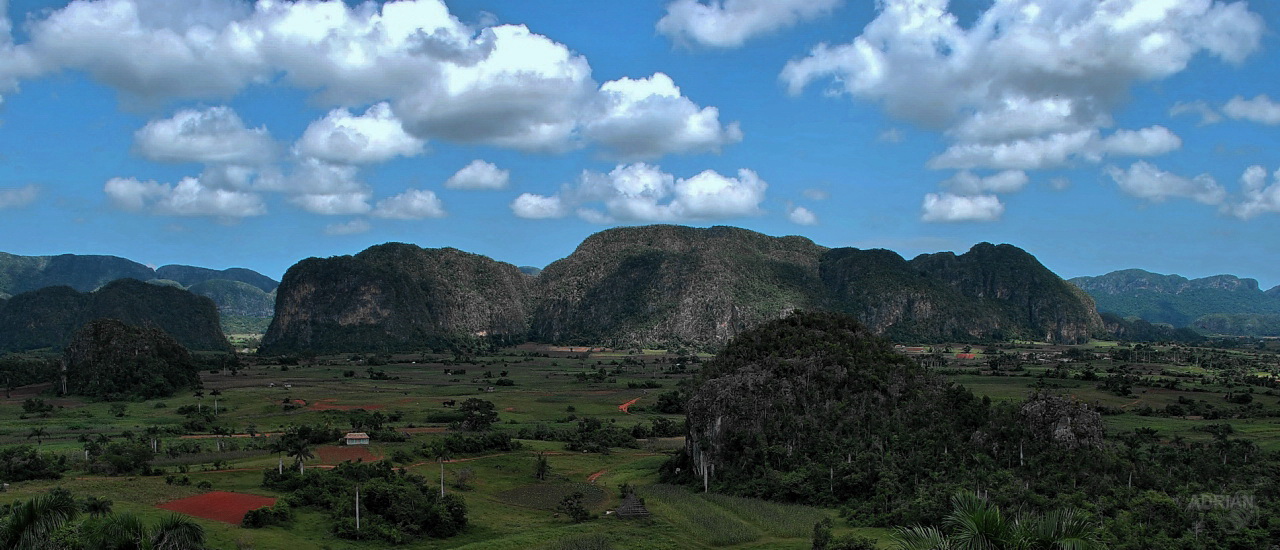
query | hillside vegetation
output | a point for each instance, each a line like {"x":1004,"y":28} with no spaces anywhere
{"x":669,"y":286}
{"x":397,"y":296}
{"x":47,"y":318}
{"x":1183,"y":302}
{"x":245,"y":297}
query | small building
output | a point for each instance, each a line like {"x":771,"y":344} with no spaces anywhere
{"x":357,"y":438}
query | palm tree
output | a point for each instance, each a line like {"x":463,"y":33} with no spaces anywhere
{"x":30,"y":524}
{"x":39,"y":434}
{"x":127,"y":532}
{"x":977,"y":524}
{"x":177,"y":532}
{"x":97,"y":507}
{"x":299,"y":450}
{"x":278,"y":448}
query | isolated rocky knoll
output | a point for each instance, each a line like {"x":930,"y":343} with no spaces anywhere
{"x":666,"y":285}
{"x":48,"y":317}
{"x":397,"y":296}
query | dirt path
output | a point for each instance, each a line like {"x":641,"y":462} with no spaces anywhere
{"x":593,"y":477}
{"x":626,"y":406}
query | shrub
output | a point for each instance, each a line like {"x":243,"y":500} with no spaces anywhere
{"x":279,"y":514}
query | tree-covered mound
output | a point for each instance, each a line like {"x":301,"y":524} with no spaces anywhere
{"x":814,"y":408}
{"x":108,"y":359}
{"x":674,"y":286}
{"x":47,"y":318}
{"x":397,"y":296}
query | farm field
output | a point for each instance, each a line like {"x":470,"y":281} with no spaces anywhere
{"x":507,"y":506}
{"x":534,"y":391}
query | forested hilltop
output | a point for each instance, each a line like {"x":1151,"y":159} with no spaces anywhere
{"x":48,"y":317}
{"x":670,"y":286}
{"x":1221,"y":304}
{"x":245,"y":298}
{"x":814,"y":409}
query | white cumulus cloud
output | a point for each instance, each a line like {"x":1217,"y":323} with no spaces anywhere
{"x":538,"y":207}
{"x":19,"y":197}
{"x":413,"y":204}
{"x":333,"y":204}
{"x":1029,"y":84}
{"x":1145,"y":181}
{"x":802,"y":216}
{"x":1258,"y":197}
{"x":1260,"y":109}
{"x":212,"y":135}
{"x":479,"y":175}
{"x":648,"y":118}
{"x":946,"y":207}
{"x":642,"y":192}
{"x":416,"y":63}
{"x":1199,"y":107}
{"x":968,"y":183}
{"x":190,"y":197}
{"x":375,"y":136}
{"x":353,"y":227}
{"x":730,"y":23}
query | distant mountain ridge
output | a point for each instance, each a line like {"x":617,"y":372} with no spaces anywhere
{"x":238,"y":292}
{"x":49,"y":316}
{"x":666,"y":285}
{"x":1210,"y":303}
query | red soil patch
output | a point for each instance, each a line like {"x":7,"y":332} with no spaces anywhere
{"x":625,"y":406}
{"x":331,"y":405}
{"x":593,"y":477}
{"x":218,"y":506}
{"x":510,"y":409}
{"x":966,"y":356}
{"x":342,"y":453}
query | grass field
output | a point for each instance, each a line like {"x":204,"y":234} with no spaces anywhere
{"x":508,"y":507}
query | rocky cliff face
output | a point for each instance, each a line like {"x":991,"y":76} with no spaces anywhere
{"x":47,"y":318}
{"x":1024,"y":298}
{"x":672,"y":285}
{"x":397,"y":296}
{"x":668,"y":286}
{"x":889,"y":296}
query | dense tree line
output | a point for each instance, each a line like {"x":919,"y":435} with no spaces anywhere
{"x":813,"y":409}
{"x":395,"y":506}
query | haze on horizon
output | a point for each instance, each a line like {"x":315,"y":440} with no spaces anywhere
{"x":1096,"y":135}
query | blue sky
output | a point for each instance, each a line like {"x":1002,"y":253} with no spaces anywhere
{"x":1096,"y":135}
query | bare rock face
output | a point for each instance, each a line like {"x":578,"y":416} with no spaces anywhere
{"x":397,"y":296}
{"x":1062,"y":421}
{"x":672,"y":285}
